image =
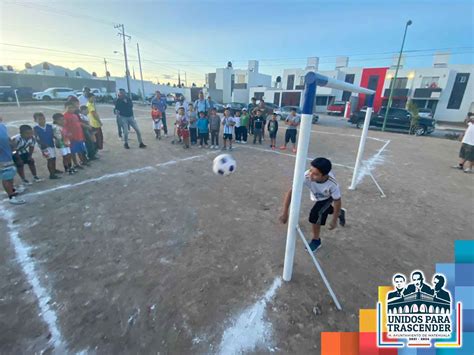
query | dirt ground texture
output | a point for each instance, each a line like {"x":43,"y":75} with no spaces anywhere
{"x":165,"y":259}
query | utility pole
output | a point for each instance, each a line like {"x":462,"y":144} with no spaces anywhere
{"x":141,"y":74}
{"x":127,"y":72}
{"x":392,"y":84}
{"x":106,"y":70}
{"x":179,"y":79}
{"x":185,"y":80}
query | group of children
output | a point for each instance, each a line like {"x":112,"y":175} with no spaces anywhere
{"x":76,"y":134}
{"x":194,"y":127}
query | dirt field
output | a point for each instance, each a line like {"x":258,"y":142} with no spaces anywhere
{"x":147,"y":251}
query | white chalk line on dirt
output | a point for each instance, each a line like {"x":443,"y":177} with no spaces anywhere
{"x":291,"y":155}
{"x":250,"y":330}
{"x":114,"y":175}
{"x":349,"y":135}
{"x":29,"y":268}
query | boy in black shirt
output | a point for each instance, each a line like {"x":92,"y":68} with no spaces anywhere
{"x":258,"y":123}
{"x":272,"y":129}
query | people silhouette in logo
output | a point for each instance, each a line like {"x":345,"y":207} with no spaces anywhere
{"x":399,"y":282}
{"x":439,"y":293}
{"x":418,"y":285}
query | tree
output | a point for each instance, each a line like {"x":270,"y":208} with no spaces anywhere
{"x":107,"y":74}
{"x":27,"y":65}
{"x":168,"y":83}
{"x":174,"y":85}
{"x":194,"y":85}
{"x":415,"y":117}
{"x":9,"y":68}
{"x":94,"y":74}
{"x":46,"y":66}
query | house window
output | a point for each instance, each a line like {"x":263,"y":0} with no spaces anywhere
{"x":291,"y":82}
{"x":457,"y":93}
{"x":430,"y":82}
{"x":240,"y":79}
{"x":400,"y":83}
{"x":321,"y":100}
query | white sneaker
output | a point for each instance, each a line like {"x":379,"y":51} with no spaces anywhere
{"x":19,"y":189}
{"x":26,"y":182}
{"x":37,"y":179}
{"x":212,"y":147}
{"x":17,"y":201}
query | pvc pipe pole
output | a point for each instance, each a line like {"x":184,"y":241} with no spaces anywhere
{"x":298,"y":176}
{"x":360,"y":152}
{"x":346,"y":110}
{"x":16,"y":97}
{"x":342,"y":85}
{"x":320,"y":269}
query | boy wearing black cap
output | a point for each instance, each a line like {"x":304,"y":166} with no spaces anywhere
{"x":324,"y":190}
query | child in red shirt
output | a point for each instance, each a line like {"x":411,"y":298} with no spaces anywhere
{"x":156,"y":116}
{"x":73,"y":131}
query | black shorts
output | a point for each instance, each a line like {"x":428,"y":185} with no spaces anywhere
{"x":467,"y":152}
{"x":228,"y":136}
{"x":21,"y":159}
{"x":290,"y":135}
{"x":273,"y":135}
{"x":320,"y":212}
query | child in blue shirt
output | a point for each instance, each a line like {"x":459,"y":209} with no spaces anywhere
{"x":203,"y":129}
{"x":45,"y":137}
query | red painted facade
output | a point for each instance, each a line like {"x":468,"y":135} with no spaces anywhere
{"x":364,"y":82}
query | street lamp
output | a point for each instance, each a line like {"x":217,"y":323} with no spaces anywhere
{"x":392,"y":84}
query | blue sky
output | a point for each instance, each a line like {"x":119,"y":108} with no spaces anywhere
{"x":198,"y":36}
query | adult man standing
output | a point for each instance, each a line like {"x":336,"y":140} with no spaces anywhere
{"x":83,"y":99}
{"x":210,"y":103}
{"x":292,"y":121}
{"x":252,"y":105}
{"x":201,"y":104}
{"x":181,"y":103}
{"x":7,"y":167}
{"x":160,"y":103}
{"x":124,"y":110}
{"x":264,"y":112}
{"x":466,"y":154}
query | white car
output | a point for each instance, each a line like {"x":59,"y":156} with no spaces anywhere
{"x":54,"y":94}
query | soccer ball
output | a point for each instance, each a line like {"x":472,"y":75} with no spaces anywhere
{"x":224,"y":164}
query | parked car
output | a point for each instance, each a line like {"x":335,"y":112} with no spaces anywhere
{"x":219,"y":108}
{"x":400,"y":119}
{"x":336,"y":108}
{"x":271,"y":107}
{"x":285,"y":111}
{"x":54,"y":94}
{"x":358,"y":117}
{"x":236,"y":106}
{"x":7,"y":93}
{"x":425,"y":113}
